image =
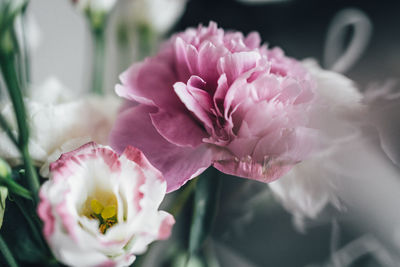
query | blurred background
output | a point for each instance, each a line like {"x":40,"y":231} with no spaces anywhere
{"x":259,"y":231}
{"x":298,"y":26}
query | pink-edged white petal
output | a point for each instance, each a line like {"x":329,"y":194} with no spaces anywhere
{"x":98,"y":208}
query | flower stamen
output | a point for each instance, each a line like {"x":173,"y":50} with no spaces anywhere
{"x":105,"y":213}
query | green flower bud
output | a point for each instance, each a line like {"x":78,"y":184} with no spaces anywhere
{"x":5,"y":170}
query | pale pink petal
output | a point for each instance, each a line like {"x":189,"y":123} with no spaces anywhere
{"x":209,"y":55}
{"x":234,"y":65}
{"x":253,"y":40}
{"x":167,"y":221}
{"x":186,"y":59}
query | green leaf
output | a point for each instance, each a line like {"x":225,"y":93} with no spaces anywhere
{"x":5,"y":171}
{"x":3,"y":197}
{"x":182,"y":261}
{"x":7,"y":254}
{"x":20,"y":237}
{"x":205,"y":207}
{"x":8,"y":183}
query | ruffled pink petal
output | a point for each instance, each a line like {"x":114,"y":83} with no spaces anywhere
{"x":196,"y":86}
{"x":178,"y":164}
{"x":186,"y":59}
{"x":67,"y":156}
{"x":253,"y":40}
{"x":209,"y":55}
{"x":265,"y":88}
{"x":178,"y":128}
{"x":61,"y":167}
{"x":273,"y":155}
{"x":263,"y":118}
{"x":196,"y":101}
{"x":264,"y":171}
{"x":234,"y":65}
{"x":126,"y":91}
{"x":291,"y":146}
{"x":149,"y":83}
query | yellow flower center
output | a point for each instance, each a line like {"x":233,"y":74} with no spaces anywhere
{"x":103,"y":206}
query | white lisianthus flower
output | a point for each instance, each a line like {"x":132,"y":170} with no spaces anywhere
{"x":59,"y":123}
{"x":160,"y":15}
{"x":95,"y":5}
{"x":337,"y":112}
{"x":99,"y":209}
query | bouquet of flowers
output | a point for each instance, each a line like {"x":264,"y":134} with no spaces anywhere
{"x":82,"y":179}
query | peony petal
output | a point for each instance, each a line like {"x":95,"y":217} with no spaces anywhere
{"x":234,"y":65}
{"x":195,"y":101}
{"x":149,"y":83}
{"x":196,"y":87}
{"x":264,"y":171}
{"x":178,"y":128}
{"x":291,"y":145}
{"x":209,"y":54}
{"x":177,"y":164}
{"x":265,"y":87}
{"x":186,"y":59}
{"x":253,"y":40}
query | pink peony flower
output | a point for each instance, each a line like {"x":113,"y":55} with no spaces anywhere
{"x":217,"y":98}
{"x":101,"y":210}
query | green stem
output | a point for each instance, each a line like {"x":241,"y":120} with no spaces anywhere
{"x":98,"y":35}
{"x":15,"y":188}
{"x":140,"y":260}
{"x":19,"y":62}
{"x":26,"y":51}
{"x":182,"y":198}
{"x":205,"y":208}
{"x":146,"y":40}
{"x":8,"y":256}
{"x":8,"y":68}
{"x":124,"y":47}
{"x":30,"y":171}
{"x":33,"y":224}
